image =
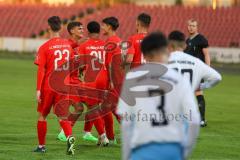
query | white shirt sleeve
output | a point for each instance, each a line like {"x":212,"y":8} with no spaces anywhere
{"x":211,"y":76}
{"x":190,"y":108}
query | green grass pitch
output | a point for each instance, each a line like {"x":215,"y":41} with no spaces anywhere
{"x":18,"y":116}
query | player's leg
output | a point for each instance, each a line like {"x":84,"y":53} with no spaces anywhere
{"x":108,"y":123}
{"x":87,"y":130}
{"x":201,"y":105}
{"x":73,"y":117}
{"x":94,"y":116}
{"x":43,"y":109}
{"x":41,"y":131}
{"x":89,"y":121}
{"x":61,"y":109}
{"x":108,"y":118}
{"x":102,"y":138}
{"x":67,"y":128}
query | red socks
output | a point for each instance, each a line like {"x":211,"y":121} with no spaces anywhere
{"x":98,"y":123}
{"x":42,"y":131}
{"x":66,"y":126}
{"x":88,"y":126}
{"x":108,"y":122}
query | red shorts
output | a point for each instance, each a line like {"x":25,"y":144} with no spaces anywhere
{"x":49,"y":99}
{"x":102,"y":81}
{"x":85,"y":98}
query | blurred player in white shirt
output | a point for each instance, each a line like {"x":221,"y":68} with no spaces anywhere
{"x":159,"y":122}
{"x":192,"y":68}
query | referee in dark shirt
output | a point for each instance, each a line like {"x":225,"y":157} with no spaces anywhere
{"x":197,"y":46}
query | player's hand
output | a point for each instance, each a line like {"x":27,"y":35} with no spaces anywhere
{"x":111,"y":86}
{"x":38,"y":96}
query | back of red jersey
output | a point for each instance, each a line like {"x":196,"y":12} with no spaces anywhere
{"x":135,"y":49}
{"x":54,"y":55}
{"x":95,"y":48}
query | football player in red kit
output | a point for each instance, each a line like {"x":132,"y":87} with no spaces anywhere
{"x":95,"y":48}
{"x":76,"y":32}
{"x":54,"y":55}
{"x":134,"y":55}
{"x":115,"y":71}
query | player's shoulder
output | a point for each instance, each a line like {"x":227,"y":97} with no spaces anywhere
{"x":133,"y":37}
{"x":84,"y":43}
{"x":46,"y":44}
{"x":137,"y":36}
{"x":114,"y":39}
{"x":66,"y":41}
{"x":201,"y":37}
{"x":117,"y":39}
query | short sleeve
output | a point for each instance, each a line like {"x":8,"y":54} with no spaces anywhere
{"x":40,"y":57}
{"x":204,"y":42}
{"x":131,"y":49}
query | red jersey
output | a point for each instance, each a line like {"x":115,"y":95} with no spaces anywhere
{"x":135,"y":49}
{"x":52,"y":55}
{"x":95,"y":48}
{"x":75,"y":74}
{"x":112,"y":47}
{"x":73,"y":43}
{"x":114,"y":58}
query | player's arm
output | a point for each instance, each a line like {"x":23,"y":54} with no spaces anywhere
{"x":108,"y":63}
{"x":211,"y":76}
{"x":40,"y":61}
{"x":110,"y":71}
{"x":129,"y":56}
{"x":193,"y":121}
{"x":207,"y":56}
{"x":205,"y":51}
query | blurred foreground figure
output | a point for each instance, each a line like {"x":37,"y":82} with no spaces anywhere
{"x":160,"y":118}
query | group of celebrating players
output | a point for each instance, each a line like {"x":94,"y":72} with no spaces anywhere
{"x":95,"y":70}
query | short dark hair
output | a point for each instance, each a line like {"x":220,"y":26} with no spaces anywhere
{"x":153,"y":42}
{"x":144,"y":19}
{"x":72,"y":25}
{"x":55,"y":23}
{"x":93,"y":27}
{"x":112,"y":21}
{"x":176,"y":36}
{"x":176,"y":39}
